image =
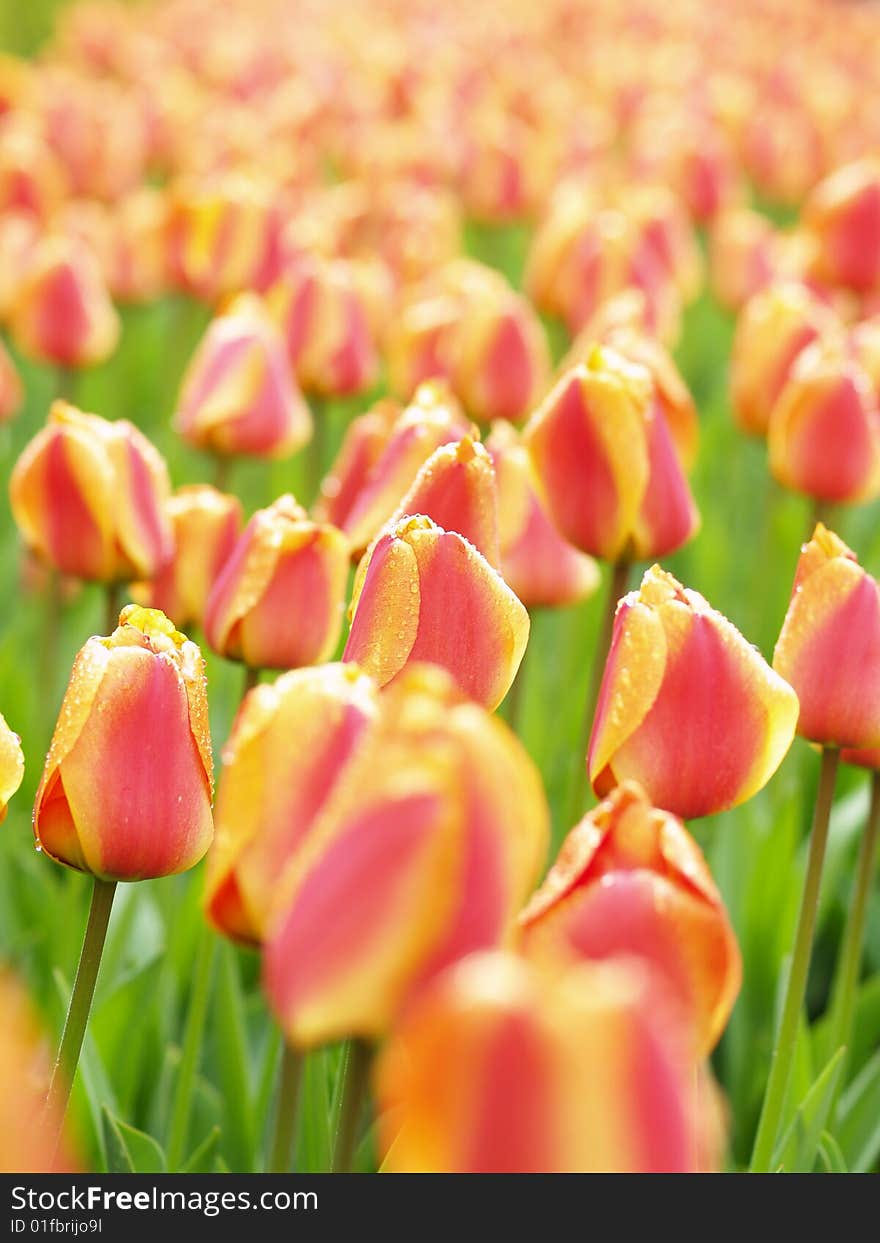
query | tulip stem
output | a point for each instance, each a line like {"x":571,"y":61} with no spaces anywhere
{"x":251,"y":679}
{"x":616,"y":588}
{"x":65,"y":384}
{"x":356,"y":1078}
{"x":846,"y":977}
{"x":822,"y":511}
{"x":111,"y":607}
{"x":49,"y":654}
{"x":222,"y":471}
{"x":317,"y":447}
{"x":80,"y":1005}
{"x":786,"y":1037}
{"x":199,"y":991}
{"x":289,"y":1080}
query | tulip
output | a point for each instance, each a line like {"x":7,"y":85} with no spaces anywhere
{"x":325,"y":321}
{"x":62,"y":313}
{"x":843,"y":215}
{"x":289,"y":749}
{"x":775,"y":325}
{"x":536,"y":562}
{"x":456,"y":489}
{"x":433,"y":418}
{"x":744,"y":250}
{"x":11,"y":765}
{"x":433,"y":835}
{"x":687,"y":707}
{"x":19,"y":238}
{"x":32,"y":179}
{"x":426,"y":594}
{"x":824,"y":433}
{"x":238,"y":395}
{"x":278,"y":602}
{"x":363,"y":444}
{"x":206,"y":525}
{"x":137,"y":260}
{"x":501,"y":359}
{"x":89,"y":498}
{"x":27,"y":1136}
{"x":503,"y":1068}
{"x":11,"y":389}
{"x":217,"y":234}
{"x":829,"y":645}
{"x":864,"y":341}
{"x":606,"y":460}
{"x":421,"y":339}
{"x":630,"y":879}
{"x":126,"y":791}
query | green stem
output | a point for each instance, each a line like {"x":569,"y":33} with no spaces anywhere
{"x":356,"y":1078}
{"x":51,"y":630}
{"x":846,"y":977}
{"x":65,"y":384}
{"x":821,"y":511}
{"x":112,"y":596}
{"x":289,"y":1081}
{"x":199,"y":989}
{"x":786,"y":1038}
{"x":81,"y":998}
{"x":222,"y":472}
{"x":251,"y":678}
{"x":317,"y":447}
{"x":616,"y":588}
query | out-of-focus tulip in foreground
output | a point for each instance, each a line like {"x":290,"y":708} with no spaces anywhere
{"x":126,"y":791}
{"x":11,"y":765}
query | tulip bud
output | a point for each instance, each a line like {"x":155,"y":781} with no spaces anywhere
{"x":428,"y":842}
{"x":433,"y":418}
{"x":289,"y":747}
{"x":205,"y":525}
{"x":843,"y":214}
{"x":28,"y":1138}
{"x":536,"y":562}
{"x":687,"y":707}
{"x":824,"y":433}
{"x":278,"y":602}
{"x":325,"y":322}
{"x":62,"y":313}
{"x":238,"y":394}
{"x":126,"y":791}
{"x":630,"y":879}
{"x":501,"y":358}
{"x":217,"y":234}
{"x":606,"y":460}
{"x":864,"y":341}
{"x":32,"y":178}
{"x":19,"y":238}
{"x":11,"y":389}
{"x":504,"y":1068}
{"x":11,"y":765}
{"x":637,"y":345}
{"x":363,"y":444}
{"x":775,"y":325}
{"x":89,"y":498}
{"x":829,"y":645}
{"x":137,"y":260}
{"x":744,"y":256}
{"x":456,"y":489}
{"x":426,"y":594}
{"x":421,"y":340}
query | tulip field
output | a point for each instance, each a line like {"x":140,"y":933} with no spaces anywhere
{"x":440,"y":652}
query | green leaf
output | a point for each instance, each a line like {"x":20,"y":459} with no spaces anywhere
{"x":796,"y":1154}
{"x":200,"y":1161}
{"x":130,"y":1151}
{"x":830,"y":1155}
{"x":240,"y":1126}
{"x":858,"y":1119}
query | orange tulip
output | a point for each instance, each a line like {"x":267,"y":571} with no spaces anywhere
{"x":289,"y":748}
{"x":425,"y":594}
{"x":824,"y":433}
{"x":19,"y":236}
{"x":326,"y":324}
{"x":126,"y":791}
{"x":504,"y":1068}
{"x":536,"y":562}
{"x":205,"y":524}
{"x":605,"y":457}
{"x":238,"y":394}
{"x":433,"y":418}
{"x":89,"y":498}
{"x":501,"y":358}
{"x":32,"y":178}
{"x":363,"y":444}
{"x":775,"y":325}
{"x":217,"y":234}
{"x":433,"y":835}
{"x":744,"y":251}
{"x":843,"y":215}
{"x":27,"y":1136}
{"x":11,"y":765}
{"x":687,"y":707}
{"x":829,"y":646}
{"x":62,"y":313}
{"x":421,"y":340}
{"x":630,"y":879}
{"x":11,"y":389}
{"x":278,"y":602}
